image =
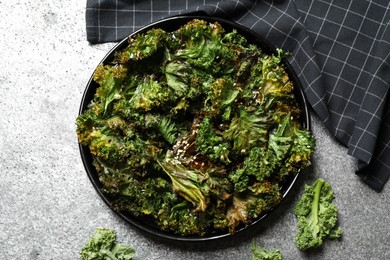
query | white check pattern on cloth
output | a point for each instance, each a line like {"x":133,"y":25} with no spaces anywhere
{"x":339,"y":48}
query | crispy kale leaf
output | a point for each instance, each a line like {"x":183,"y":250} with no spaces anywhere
{"x":245,"y":207}
{"x":179,"y":218}
{"x":274,"y":77}
{"x":168,"y":129}
{"x":222,"y":95}
{"x":149,"y":95}
{"x":108,"y":147}
{"x":142,"y":46}
{"x":102,"y":246}
{"x":317,"y":216}
{"x":202,"y":43}
{"x":185,"y":182}
{"x":110,"y":79}
{"x":248,"y":129}
{"x":259,"y":253}
{"x":177,"y":74}
{"x":211,"y":144}
{"x":289,"y":149}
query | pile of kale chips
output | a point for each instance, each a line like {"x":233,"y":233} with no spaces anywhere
{"x":196,"y":129}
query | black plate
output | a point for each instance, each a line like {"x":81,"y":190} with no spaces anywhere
{"x":171,"y":24}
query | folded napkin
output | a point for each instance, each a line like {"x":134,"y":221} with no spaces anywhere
{"x":339,"y":48}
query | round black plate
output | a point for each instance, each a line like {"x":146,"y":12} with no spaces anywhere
{"x":171,"y":24}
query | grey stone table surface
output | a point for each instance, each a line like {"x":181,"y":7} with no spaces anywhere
{"x":48,"y":207}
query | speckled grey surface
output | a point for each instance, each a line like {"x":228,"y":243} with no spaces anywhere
{"x":48,"y":207}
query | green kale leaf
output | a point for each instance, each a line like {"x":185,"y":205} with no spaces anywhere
{"x":142,"y":46}
{"x":211,"y":144}
{"x":110,"y":79}
{"x":317,"y":216}
{"x":245,"y":207}
{"x":102,"y":246}
{"x":259,"y":253}
{"x":150,"y":95}
{"x":185,"y":182}
{"x":248,"y":129}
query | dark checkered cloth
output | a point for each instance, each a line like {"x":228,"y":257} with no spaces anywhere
{"x":340,"y":49}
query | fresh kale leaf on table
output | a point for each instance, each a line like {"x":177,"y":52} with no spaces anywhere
{"x":102,"y":246}
{"x":317,"y":216}
{"x":196,"y":129}
{"x":259,"y":253}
